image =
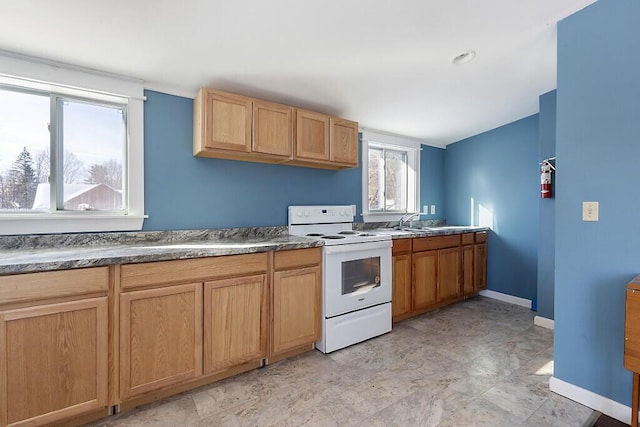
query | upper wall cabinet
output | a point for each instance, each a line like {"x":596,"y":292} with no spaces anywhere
{"x":236,"y":127}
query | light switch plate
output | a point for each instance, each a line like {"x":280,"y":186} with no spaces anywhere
{"x":590,"y":211}
{"x":433,"y":209}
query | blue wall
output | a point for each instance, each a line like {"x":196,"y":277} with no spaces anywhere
{"x":499,"y":170}
{"x":598,"y":149}
{"x":547,"y":209}
{"x":185,"y":192}
{"x":432,"y":181}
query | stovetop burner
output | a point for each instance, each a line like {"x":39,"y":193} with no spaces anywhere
{"x":314,"y":234}
{"x":333,"y":237}
{"x":348,"y":232}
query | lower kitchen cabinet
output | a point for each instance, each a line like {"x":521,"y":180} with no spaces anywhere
{"x":53,"y":356}
{"x":297,"y":300}
{"x":468,"y":285}
{"x":480,"y":266}
{"x":442,"y":270}
{"x":449,"y":274}
{"x":425,"y":279}
{"x":160,"y":338}
{"x":401,"y":267}
{"x":235,"y":322}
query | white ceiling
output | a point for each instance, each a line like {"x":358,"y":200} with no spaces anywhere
{"x":385,"y":64}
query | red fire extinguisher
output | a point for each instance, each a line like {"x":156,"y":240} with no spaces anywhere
{"x":545,"y":180}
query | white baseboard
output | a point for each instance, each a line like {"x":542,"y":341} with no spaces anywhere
{"x":544,"y":322}
{"x":507,"y":298}
{"x":592,"y":400}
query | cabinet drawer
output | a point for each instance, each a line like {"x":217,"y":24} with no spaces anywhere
{"x":189,"y":270}
{"x":297,"y":258}
{"x":401,"y":246}
{"x":22,"y":288}
{"x":437,"y":242}
{"x":481,"y":237}
{"x":467,"y":238}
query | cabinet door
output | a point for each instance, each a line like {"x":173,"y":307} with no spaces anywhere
{"x":272,"y":129}
{"x":448,"y":274}
{"x":227,"y":120}
{"x":401,"y":303}
{"x":296,"y":308}
{"x":424,"y":279}
{"x":160,"y":337}
{"x":235,"y":322}
{"x":480,"y":266}
{"x":344,"y":141}
{"x":53,"y":361}
{"x":467,"y":270}
{"x":312,"y":135}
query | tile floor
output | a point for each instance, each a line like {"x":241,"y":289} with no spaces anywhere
{"x":480,"y":362}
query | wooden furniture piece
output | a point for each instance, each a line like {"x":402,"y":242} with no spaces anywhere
{"x":53,"y":346}
{"x":430,"y":272}
{"x":296,"y":302}
{"x":187,"y":320}
{"x":237,"y":127}
{"x":632,"y":343}
{"x":401,"y":299}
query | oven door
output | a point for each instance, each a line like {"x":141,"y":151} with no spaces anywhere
{"x":356,"y":276}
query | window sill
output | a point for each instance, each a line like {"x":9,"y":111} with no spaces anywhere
{"x":68,"y":223}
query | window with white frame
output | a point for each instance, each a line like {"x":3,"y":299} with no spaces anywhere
{"x":391,"y":171}
{"x":71,"y":149}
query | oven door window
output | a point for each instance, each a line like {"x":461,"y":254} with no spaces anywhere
{"x":360,"y":276}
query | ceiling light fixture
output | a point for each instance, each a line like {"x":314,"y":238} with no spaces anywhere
{"x":464,"y":57}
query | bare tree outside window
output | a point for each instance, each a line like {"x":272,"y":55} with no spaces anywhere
{"x":387,"y":180}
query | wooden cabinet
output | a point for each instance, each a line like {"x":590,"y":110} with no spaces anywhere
{"x":449,"y":274}
{"x":53,"y":355}
{"x":401,"y":301}
{"x":272,"y":129}
{"x":327,"y":141}
{"x":236,"y":127}
{"x":480,"y":261}
{"x":425,"y":279}
{"x":160,"y":338}
{"x":343,"y":142}
{"x":442,"y":270}
{"x":312,"y":136}
{"x":467,"y":264}
{"x":436,"y":270}
{"x":185,"y":320}
{"x":235,"y":322}
{"x":296,"y":301}
{"x":632,"y":343}
{"x":223,"y":121}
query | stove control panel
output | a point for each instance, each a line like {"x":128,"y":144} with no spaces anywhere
{"x":321,"y":214}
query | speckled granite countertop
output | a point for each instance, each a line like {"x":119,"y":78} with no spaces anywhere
{"x":28,"y":254}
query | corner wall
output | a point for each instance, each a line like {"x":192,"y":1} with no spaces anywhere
{"x":547,"y":209}
{"x":497,"y":172}
{"x":598,"y":149}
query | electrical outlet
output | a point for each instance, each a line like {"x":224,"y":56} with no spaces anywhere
{"x":425,"y":209}
{"x":433,"y":209}
{"x":590,"y":211}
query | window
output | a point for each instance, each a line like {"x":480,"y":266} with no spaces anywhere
{"x":390,"y":176}
{"x":70,"y":156}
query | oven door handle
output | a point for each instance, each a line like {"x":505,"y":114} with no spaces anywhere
{"x":353,"y":247}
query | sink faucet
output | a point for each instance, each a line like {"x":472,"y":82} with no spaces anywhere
{"x":407,"y":218}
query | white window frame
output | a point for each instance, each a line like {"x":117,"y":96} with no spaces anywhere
{"x":31,"y":73}
{"x":398,"y":143}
